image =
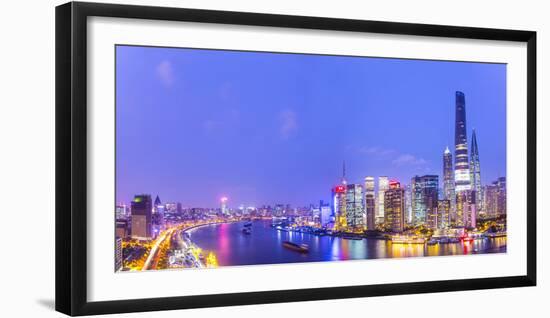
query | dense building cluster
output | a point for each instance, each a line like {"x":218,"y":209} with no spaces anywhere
{"x":392,"y":207}
{"x":460,"y":203}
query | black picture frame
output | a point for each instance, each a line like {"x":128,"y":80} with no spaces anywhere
{"x":71,"y":157}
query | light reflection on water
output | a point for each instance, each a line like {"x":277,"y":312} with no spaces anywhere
{"x":264,"y":246}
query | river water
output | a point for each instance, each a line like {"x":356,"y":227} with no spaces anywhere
{"x":264,"y":246}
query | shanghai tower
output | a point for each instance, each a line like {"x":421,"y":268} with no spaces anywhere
{"x":462,"y":171}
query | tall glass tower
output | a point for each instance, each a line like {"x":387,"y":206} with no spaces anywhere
{"x":448,"y":179}
{"x":424,"y":199}
{"x":383,"y":185}
{"x":475,"y":174}
{"x":370,"y":200}
{"x":462,"y":171}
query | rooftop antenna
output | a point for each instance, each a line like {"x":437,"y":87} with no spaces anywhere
{"x":344,"y":172}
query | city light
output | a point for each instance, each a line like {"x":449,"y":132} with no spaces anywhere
{"x":414,"y":218}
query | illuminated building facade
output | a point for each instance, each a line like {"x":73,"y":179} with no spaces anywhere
{"x":121,"y":228}
{"x":462,"y":170}
{"x":383,"y":185}
{"x":121,"y":212}
{"x":370,"y":200}
{"x":443,"y":214}
{"x":223,"y":208}
{"x":118,"y":254}
{"x":495,"y":198}
{"x":448,"y":179}
{"x":355,"y":211}
{"x":142,"y":210}
{"x":408,"y":205}
{"x":475,"y":173}
{"x":339,"y":206}
{"x":158,"y":216}
{"x":326,"y":214}
{"x":424,"y":192}
{"x":466,"y":214}
{"x":394,"y":207}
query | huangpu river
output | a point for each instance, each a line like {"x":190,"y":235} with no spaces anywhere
{"x":265,"y":246}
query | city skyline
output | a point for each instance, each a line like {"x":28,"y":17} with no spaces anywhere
{"x":192,"y":155}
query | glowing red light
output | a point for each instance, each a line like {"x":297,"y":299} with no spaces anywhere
{"x":339,"y":189}
{"x":394,"y":184}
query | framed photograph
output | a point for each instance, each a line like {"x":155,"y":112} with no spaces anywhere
{"x":209,"y":158}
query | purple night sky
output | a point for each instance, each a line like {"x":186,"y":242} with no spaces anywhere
{"x":263,"y":128}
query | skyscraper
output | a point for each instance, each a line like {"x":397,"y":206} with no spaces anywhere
{"x":466,"y":214}
{"x":501,"y":183}
{"x":223,"y":206}
{"x":339,"y":206}
{"x":462,"y":171}
{"x":475,"y":174}
{"x":158,"y":215}
{"x":408,"y":205}
{"x":142,"y":210}
{"x":495,"y":198}
{"x":394,"y":207}
{"x":443,"y":214}
{"x":157,"y":201}
{"x":370,"y":199}
{"x":355,"y":211}
{"x":118,"y":254}
{"x":383,"y":185}
{"x":424,"y":192}
{"x":326,"y":214}
{"x":448,"y":179}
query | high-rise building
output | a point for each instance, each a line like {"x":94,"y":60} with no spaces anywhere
{"x":462,"y":170}
{"x":383,"y":185}
{"x":408,"y":205}
{"x":495,"y":198}
{"x":466,"y":214}
{"x":223,"y":207}
{"x":121,"y":228}
{"x":355,"y":211}
{"x":118,"y":254}
{"x":158,"y":216}
{"x":157,"y":203}
{"x":326,"y":214}
{"x":448,"y":179}
{"x":501,"y":182}
{"x":475,"y":173}
{"x":339,"y":206}
{"x":394,"y":207}
{"x":424,"y":192}
{"x":370,"y":199}
{"x":121,"y":212}
{"x":142,"y":210}
{"x":443,"y":214}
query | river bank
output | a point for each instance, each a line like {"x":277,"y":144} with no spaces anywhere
{"x":265,"y":246}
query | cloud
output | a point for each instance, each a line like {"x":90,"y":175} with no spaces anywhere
{"x":165,"y":73}
{"x":408,"y":160}
{"x":289,"y":123}
{"x":377,"y":151}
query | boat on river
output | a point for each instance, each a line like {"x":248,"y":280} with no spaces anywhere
{"x":302,"y":248}
{"x":247,"y":230}
{"x":352,"y":237}
{"x":403,"y":239}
